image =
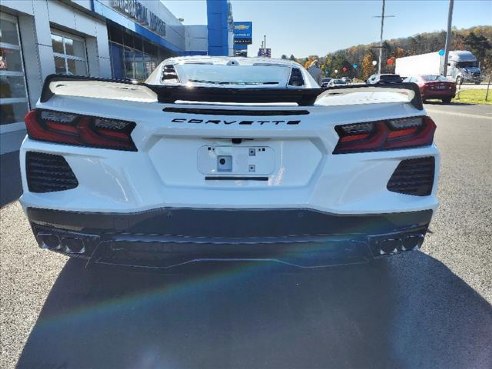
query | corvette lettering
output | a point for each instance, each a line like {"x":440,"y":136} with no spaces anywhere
{"x":233,"y":122}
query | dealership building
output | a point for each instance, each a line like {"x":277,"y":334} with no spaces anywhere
{"x":102,"y":38}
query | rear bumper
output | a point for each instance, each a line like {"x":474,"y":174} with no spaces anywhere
{"x":438,"y":94}
{"x":172,"y":236}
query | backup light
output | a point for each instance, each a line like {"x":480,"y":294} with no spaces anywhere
{"x":80,"y":130}
{"x":385,"y":135}
{"x":405,"y":123}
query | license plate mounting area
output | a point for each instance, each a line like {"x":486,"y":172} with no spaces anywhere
{"x":236,"y":160}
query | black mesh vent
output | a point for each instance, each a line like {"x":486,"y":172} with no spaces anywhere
{"x":169,"y":74}
{"x":48,"y":173}
{"x":296,"y":78}
{"x":413,"y":177}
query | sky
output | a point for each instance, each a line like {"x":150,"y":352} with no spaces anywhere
{"x":306,"y":27}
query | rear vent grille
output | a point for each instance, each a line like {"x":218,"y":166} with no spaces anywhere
{"x":296,"y":78}
{"x":413,"y":177}
{"x":48,"y":173}
{"x":169,"y":74}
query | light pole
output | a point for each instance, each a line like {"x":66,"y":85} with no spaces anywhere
{"x":448,"y":38}
{"x":382,"y":16}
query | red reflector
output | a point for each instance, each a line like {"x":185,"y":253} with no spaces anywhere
{"x":354,"y":137}
{"x":72,"y":129}
{"x":108,"y":132}
{"x":402,"y":132}
{"x":61,"y":127}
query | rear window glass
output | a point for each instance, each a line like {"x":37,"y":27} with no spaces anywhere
{"x":391,"y":77}
{"x":433,"y":77}
{"x":246,"y":75}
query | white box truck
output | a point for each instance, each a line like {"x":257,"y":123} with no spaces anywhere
{"x":462,"y":66}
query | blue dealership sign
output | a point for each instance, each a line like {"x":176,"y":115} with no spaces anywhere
{"x":243,"y":32}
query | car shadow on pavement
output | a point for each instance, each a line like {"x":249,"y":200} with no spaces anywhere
{"x":409,"y":311}
{"x":10,"y":178}
{"x":437,"y":102}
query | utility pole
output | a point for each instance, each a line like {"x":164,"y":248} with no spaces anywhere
{"x":448,"y":38}
{"x":382,"y":16}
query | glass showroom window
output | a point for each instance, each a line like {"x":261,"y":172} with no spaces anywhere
{"x":13,"y":94}
{"x":70,"y":54}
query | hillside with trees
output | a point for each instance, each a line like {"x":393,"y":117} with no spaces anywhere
{"x":357,"y":61}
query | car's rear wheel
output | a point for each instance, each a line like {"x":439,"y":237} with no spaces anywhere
{"x":446,"y":100}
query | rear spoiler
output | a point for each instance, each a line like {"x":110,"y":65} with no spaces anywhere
{"x":408,"y":88}
{"x":90,"y":86}
{"x":83,"y":86}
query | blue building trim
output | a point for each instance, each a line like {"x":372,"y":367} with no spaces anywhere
{"x":217,"y":15}
{"x":190,"y":53}
{"x":132,"y":26}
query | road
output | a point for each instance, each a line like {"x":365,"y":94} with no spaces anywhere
{"x":428,"y":309}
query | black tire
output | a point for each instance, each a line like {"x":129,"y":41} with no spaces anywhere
{"x":477,"y":82}
{"x":446,"y":100}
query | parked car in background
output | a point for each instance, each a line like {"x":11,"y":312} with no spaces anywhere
{"x":336,"y":82}
{"x":346,"y":79}
{"x":325,"y":81}
{"x":434,"y":86}
{"x":383,"y":79}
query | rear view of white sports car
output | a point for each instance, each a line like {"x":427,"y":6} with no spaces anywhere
{"x":217,"y":158}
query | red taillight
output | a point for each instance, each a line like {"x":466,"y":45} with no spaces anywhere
{"x":73,"y":129}
{"x":385,"y":135}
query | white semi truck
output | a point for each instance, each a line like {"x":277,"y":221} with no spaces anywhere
{"x":462,"y":66}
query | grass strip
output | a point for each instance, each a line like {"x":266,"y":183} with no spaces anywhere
{"x":473,"y":96}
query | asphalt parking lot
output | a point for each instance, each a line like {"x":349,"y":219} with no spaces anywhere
{"x":426,"y":309}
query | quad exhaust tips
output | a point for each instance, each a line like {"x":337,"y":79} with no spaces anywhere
{"x":83,"y":245}
{"x":394,"y":244}
{"x":65,"y":244}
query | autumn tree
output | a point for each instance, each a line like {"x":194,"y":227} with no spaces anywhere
{"x":476,"y":39}
{"x":477,"y":44}
{"x":367,"y":67}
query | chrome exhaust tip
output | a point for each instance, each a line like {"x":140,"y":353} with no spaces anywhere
{"x":412,"y":242}
{"x":389,"y":246}
{"x":48,"y":241}
{"x":73,"y":245}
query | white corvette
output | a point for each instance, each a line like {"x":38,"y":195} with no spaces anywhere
{"x":228,"y":159}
